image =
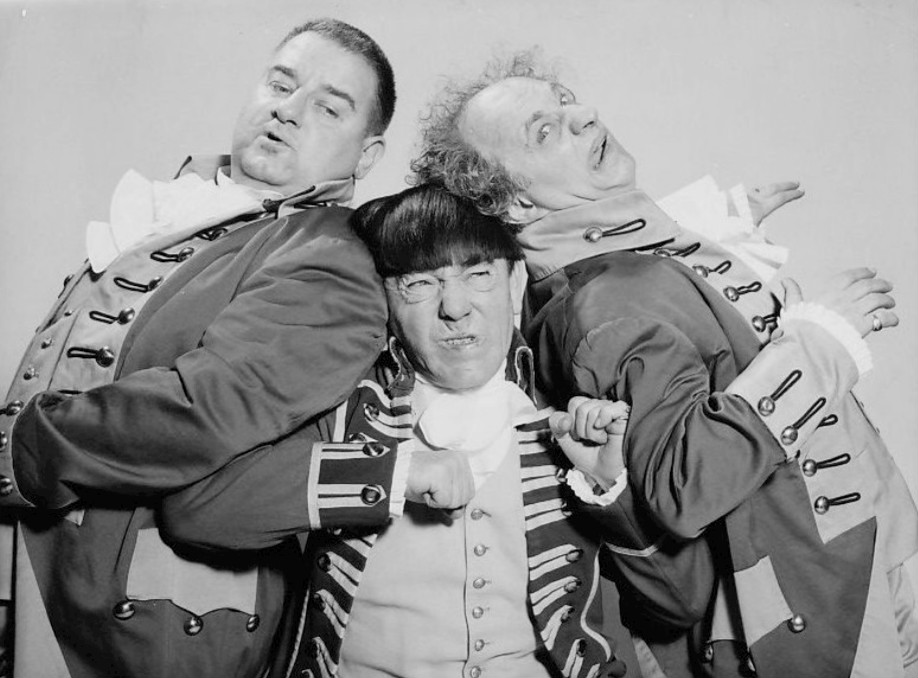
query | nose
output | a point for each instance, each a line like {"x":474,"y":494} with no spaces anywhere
{"x":288,"y":109}
{"x":455,"y":302}
{"x":581,"y":117}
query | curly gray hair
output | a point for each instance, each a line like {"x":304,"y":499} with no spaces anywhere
{"x":448,"y":160}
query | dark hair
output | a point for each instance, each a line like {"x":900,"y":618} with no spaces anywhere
{"x":447,"y":159}
{"x":426,"y":227}
{"x":357,"y":42}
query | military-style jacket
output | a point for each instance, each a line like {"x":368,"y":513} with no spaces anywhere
{"x":567,"y":541}
{"x":730,"y":418}
{"x":189,"y":350}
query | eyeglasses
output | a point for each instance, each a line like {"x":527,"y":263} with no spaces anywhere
{"x":417,"y":287}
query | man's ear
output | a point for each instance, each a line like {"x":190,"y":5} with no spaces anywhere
{"x":518,"y":279}
{"x":523,"y":211}
{"x":373,"y":150}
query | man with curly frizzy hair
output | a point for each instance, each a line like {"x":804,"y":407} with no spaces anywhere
{"x":743,"y":434}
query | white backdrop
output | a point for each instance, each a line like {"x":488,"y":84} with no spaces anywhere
{"x":823,"y":91}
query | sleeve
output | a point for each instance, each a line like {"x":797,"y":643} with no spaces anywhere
{"x":692,"y":454}
{"x":669,"y":580}
{"x":296,"y":485}
{"x":305,"y":323}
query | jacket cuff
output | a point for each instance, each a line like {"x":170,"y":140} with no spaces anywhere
{"x":796,"y":381}
{"x":585,"y":488}
{"x":10,"y":494}
{"x":350,"y":484}
{"x":400,"y":478}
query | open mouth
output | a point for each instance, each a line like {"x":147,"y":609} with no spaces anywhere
{"x":460,"y":342}
{"x":599,"y":151}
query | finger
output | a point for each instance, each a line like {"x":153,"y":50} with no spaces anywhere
{"x":611,"y":412}
{"x":847,"y":278}
{"x":776,"y":187}
{"x":560,"y":424}
{"x":584,"y":418}
{"x":780,"y":199}
{"x":792,"y":293}
{"x":868,"y":287}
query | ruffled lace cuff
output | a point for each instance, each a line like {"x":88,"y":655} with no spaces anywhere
{"x":586,"y":490}
{"x":836,"y":325}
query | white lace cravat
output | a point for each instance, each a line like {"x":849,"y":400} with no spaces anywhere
{"x":479,"y":423}
{"x":141,"y":208}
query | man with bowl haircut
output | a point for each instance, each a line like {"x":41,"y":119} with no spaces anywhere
{"x":742,"y":426}
{"x":505,"y":584}
{"x":217,"y":313}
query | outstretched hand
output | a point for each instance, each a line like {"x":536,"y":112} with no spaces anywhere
{"x":857,"y":295}
{"x":590,"y":434}
{"x":763,"y":200}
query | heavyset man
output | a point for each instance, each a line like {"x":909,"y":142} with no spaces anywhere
{"x":740,"y":430}
{"x":217,"y":312}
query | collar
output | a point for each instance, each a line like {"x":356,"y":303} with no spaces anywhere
{"x":519,"y":367}
{"x":334,"y":191}
{"x":627,"y":221}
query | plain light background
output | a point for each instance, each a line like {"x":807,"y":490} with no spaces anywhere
{"x":752,"y":91}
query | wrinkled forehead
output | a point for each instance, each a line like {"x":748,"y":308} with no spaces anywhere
{"x":496,"y":117}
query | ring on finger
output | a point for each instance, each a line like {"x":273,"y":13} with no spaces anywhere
{"x":877,"y":323}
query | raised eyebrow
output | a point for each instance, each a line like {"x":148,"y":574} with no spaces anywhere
{"x":283,"y":70}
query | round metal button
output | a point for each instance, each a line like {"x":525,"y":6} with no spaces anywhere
{"x":477,"y":514}
{"x":252,"y":623}
{"x":707,"y":654}
{"x":126,"y":316}
{"x":475,"y":672}
{"x":821,"y":505}
{"x":480,"y":549}
{"x":374,"y":449}
{"x":324,"y":562}
{"x":371,"y":495}
{"x":123,"y":610}
{"x":479,"y":583}
{"x":105,"y":356}
{"x":477,"y":612}
{"x":700,"y":270}
{"x":68,"y":312}
{"x":45,"y":343}
{"x":13,"y":408}
{"x":6,"y":486}
{"x":567,"y":613}
{"x":572,"y":586}
{"x":809,"y":468}
{"x":318,"y":602}
{"x":758,"y":322}
{"x":3,"y":439}
{"x":193,"y":626}
{"x":796,"y":623}
{"x":766,"y":406}
{"x":154,"y":283}
{"x":30,"y":373}
{"x":574,"y":556}
{"x":580,"y":647}
{"x":479,"y":645}
{"x":592,"y":234}
{"x":661,"y":252}
{"x":731,"y":293}
{"x":371,"y":411}
{"x":789,"y":435}
{"x":184,"y":253}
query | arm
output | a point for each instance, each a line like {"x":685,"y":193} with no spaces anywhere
{"x":304,"y":325}
{"x":663,"y":579}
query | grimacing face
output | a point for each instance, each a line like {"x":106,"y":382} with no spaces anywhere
{"x":537,"y":130}
{"x":307,"y":119}
{"x":456,"y":322}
